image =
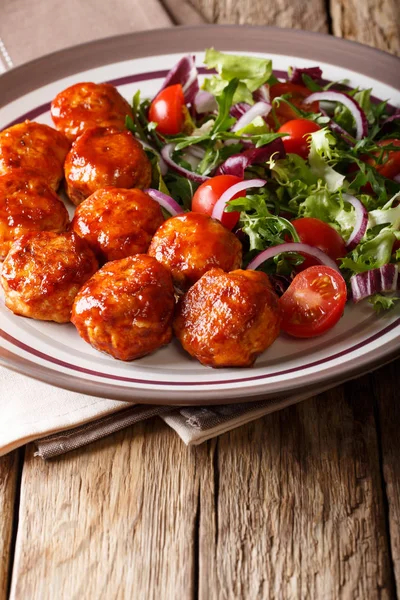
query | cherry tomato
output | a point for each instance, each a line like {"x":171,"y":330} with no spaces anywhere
{"x":298,"y":92}
{"x":321,"y":235}
{"x":314,"y":302}
{"x":167,"y":110}
{"x":390,"y":165}
{"x":210,"y":191}
{"x":296,"y":142}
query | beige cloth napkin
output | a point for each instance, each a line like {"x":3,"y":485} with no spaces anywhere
{"x":29,"y":409}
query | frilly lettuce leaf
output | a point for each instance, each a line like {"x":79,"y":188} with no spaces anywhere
{"x":322,"y":150}
{"x":372,"y":253}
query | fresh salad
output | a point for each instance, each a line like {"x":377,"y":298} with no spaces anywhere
{"x":305,"y":172}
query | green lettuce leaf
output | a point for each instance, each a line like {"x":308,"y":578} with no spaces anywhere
{"x":252,"y":71}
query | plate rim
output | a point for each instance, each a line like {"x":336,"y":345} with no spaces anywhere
{"x":18,"y":79}
{"x":45,"y":70}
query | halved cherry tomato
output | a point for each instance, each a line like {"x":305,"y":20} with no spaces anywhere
{"x":321,"y":235}
{"x":314,"y":302}
{"x":298,"y":92}
{"x":297,"y":141}
{"x":390,"y":165}
{"x":167,"y":110}
{"x":210,"y":191}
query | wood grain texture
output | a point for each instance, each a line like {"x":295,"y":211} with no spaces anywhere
{"x":8,"y":489}
{"x":116,"y":520}
{"x":298,"y":506}
{"x":387,"y":393}
{"x":372,"y":22}
{"x":297,"y":14}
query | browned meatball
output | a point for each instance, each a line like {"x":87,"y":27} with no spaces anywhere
{"x":117,"y":223}
{"x":35,"y":146}
{"x":86,"y":105}
{"x":27,"y":204}
{"x":192,"y":243}
{"x":104,"y":157}
{"x":126,"y":308}
{"x":43,"y":272}
{"x":228,"y":319}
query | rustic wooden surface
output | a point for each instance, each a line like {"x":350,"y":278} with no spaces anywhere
{"x":304,"y":503}
{"x":8,"y":494}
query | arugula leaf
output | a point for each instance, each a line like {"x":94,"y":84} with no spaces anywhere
{"x":310,"y":83}
{"x":180,"y":189}
{"x":224,"y":121}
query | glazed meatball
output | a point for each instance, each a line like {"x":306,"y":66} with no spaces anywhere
{"x":86,"y":105}
{"x":43,"y":272}
{"x":117,"y":223}
{"x":126,"y":308}
{"x":228,"y":319}
{"x":104,"y":157}
{"x":27,"y":203}
{"x":192,"y":243}
{"x":34,"y":146}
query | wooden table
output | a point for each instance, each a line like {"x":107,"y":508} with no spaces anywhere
{"x":304,"y":503}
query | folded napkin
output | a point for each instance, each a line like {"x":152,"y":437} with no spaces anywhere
{"x":31,"y":410}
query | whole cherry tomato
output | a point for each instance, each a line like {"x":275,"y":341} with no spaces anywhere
{"x":167,"y":110}
{"x":321,"y":235}
{"x":389,"y":165}
{"x":297,"y":93}
{"x":297,"y":140}
{"x":210,"y":192}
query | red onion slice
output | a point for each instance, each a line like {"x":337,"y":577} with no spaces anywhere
{"x":204,"y":102}
{"x":262,"y":94}
{"x":259,"y":109}
{"x":384,"y":279}
{"x":353,"y":106}
{"x":165,"y":201}
{"x":166,"y":153}
{"x":396,"y":178}
{"x":219,"y":206}
{"x":306,"y":249}
{"x":361,"y":223}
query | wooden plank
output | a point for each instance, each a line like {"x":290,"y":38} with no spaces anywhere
{"x":298,"y":510}
{"x":387,"y":393}
{"x":369,"y":22}
{"x":281,"y":13}
{"x":8,"y":488}
{"x":117,"y":520}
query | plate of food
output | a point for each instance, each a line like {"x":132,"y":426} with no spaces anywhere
{"x":199,"y":215}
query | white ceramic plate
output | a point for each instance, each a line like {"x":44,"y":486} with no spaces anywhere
{"x":55,"y":353}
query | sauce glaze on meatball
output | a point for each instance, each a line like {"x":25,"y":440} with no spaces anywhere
{"x":103,"y":157}
{"x":34,"y":146}
{"x":27,"y":203}
{"x":126,"y":308}
{"x":86,"y":105}
{"x":228,"y":319}
{"x":43,"y":272}
{"x":117,"y":223}
{"x":192,"y":243}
